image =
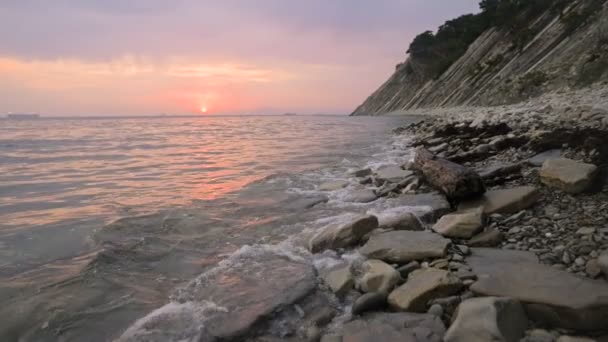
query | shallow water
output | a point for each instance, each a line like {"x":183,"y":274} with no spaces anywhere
{"x":191,"y":192}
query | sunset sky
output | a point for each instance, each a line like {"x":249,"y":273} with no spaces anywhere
{"x":132,"y":57}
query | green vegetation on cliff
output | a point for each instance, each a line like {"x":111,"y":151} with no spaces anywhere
{"x":431,"y":53}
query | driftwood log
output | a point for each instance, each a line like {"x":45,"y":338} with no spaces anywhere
{"x":455,"y":181}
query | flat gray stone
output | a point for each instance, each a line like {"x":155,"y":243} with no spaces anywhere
{"x":361,"y":196}
{"x":404,"y":246}
{"x":343,"y":235}
{"x":402,"y":327}
{"x":540,"y":158}
{"x":392,"y":173}
{"x":378,"y":276}
{"x":551,"y":296}
{"x":488,"y":319}
{"x":504,"y":201}
{"x":333,"y":185}
{"x":402,"y":221}
{"x":423,"y":286}
{"x":339,"y":279}
{"x":461,"y":224}
{"x":433,"y":205}
{"x":568,"y":175}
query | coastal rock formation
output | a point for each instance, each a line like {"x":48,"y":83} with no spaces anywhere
{"x":405,"y":246}
{"x":568,"y":175}
{"x":555,"y":49}
{"x":342,"y":236}
{"x":551,"y":299}
{"x":488,"y":319}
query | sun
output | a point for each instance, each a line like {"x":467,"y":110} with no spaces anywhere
{"x":204,"y":110}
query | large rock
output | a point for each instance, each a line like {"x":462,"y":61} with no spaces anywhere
{"x":568,"y":175}
{"x":422,"y":286}
{"x":430,"y":206}
{"x":342,"y":236}
{"x":360,"y":196}
{"x":333,"y":185}
{"x":392,"y":173}
{"x":402,"y":221}
{"x":551,"y":296}
{"x":232,"y":302}
{"x":403,"y":327}
{"x":488,"y":319}
{"x":504,"y":201}
{"x":378,"y":276}
{"x":339,"y":279}
{"x":460,"y":225}
{"x":404,"y":246}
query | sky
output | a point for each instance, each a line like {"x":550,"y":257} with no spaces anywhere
{"x":141,"y":57}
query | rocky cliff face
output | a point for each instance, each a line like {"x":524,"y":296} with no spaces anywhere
{"x":494,"y":71}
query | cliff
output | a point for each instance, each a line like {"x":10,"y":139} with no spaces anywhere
{"x":563,"y":49}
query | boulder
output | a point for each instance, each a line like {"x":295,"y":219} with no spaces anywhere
{"x":333,"y":185}
{"x":551,"y":297}
{"x":489,"y":238}
{"x":372,"y":301}
{"x":430,"y":206}
{"x":504,"y":201}
{"x":461,"y":224}
{"x":488,"y":319}
{"x":246,"y":295}
{"x":423,"y":286}
{"x":406,"y":327}
{"x":378,"y":276}
{"x":402,"y":221}
{"x":339,"y":279}
{"x":539,"y":159}
{"x":360,"y":196}
{"x":568,"y":175}
{"x":405,"y":246}
{"x":342,"y":236}
{"x":392,"y":173}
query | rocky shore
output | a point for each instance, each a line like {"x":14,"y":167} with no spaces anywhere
{"x":511,"y":244}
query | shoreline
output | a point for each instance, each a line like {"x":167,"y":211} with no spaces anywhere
{"x":527,"y":260}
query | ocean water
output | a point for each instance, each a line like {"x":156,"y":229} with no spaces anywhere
{"x":103,"y":221}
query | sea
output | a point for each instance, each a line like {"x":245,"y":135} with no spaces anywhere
{"x":104,"y":220}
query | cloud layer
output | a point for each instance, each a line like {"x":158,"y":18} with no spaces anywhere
{"x":150,"y":56}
